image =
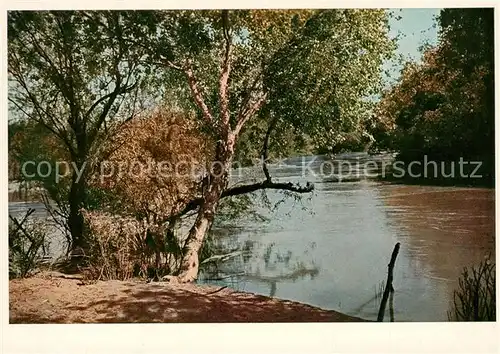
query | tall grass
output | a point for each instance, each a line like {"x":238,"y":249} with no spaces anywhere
{"x":27,"y":245}
{"x":474,"y":300}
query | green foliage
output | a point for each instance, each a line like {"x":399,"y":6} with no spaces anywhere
{"x":31,"y":141}
{"x":475,"y":299}
{"x":33,"y":149}
{"x":318,"y":67}
{"x":444,"y":106}
{"x":27,"y":245}
{"x":321,"y":81}
{"x":304,"y":73}
{"x":467,"y":37}
{"x":285,"y":141}
{"x":72,"y":73}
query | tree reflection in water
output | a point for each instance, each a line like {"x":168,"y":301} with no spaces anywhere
{"x":252,"y":261}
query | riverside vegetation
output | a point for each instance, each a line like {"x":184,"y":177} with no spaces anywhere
{"x":101,"y":89}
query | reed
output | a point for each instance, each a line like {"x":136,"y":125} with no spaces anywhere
{"x":474,"y":300}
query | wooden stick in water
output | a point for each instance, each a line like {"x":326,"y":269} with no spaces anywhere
{"x":388,"y":285}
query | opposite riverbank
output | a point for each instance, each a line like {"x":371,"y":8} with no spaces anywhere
{"x":55,"y":298}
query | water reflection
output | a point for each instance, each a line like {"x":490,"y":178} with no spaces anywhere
{"x":257,"y":263}
{"x":336,"y":256}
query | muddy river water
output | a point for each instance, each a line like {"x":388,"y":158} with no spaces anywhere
{"x":332,"y":249}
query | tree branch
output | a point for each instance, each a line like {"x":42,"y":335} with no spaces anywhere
{"x":265,"y":148}
{"x":171,"y":65}
{"x":98,"y":102}
{"x":61,"y":133}
{"x":243,"y":118}
{"x":249,"y":188}
{"x":289,"y":186}
{"x":248,"y":94}
{"x":119,"y":90}
{"x":197,"y":94}
{"x":225,"y":71}
{"x":58,"y":78}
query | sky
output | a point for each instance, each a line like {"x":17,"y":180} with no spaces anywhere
{"x":416,"y":26}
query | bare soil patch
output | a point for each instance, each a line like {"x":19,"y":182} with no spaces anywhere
{"x":54,"y":298}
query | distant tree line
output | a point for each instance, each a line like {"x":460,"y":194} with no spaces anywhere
{"x":443,"y":107}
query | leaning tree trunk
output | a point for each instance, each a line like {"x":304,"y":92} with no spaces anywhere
{"x":219,"y":179}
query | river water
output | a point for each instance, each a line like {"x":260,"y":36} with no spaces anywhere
{"x":332,"y":249}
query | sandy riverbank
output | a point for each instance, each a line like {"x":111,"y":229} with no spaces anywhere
{"x":50,"y":298}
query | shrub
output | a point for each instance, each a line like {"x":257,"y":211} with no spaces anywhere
{"x":475,"y":299}
{"x":152,"y":166}
{"x":145,"y":173}
{"x":122,"y":247}
{"x":27,"y":245}
{"x":114,"y":247}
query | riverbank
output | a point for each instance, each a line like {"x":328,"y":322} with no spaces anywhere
{"x":55,"y":298}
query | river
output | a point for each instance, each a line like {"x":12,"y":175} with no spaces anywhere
{"x":332,"y":250}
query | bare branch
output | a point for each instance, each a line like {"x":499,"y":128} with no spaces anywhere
{"x":119,"y":90}
{"x":98,"y":102}
{"x":249,"y":188}
{"x":289,"y":186}
{"x":61,"y":133}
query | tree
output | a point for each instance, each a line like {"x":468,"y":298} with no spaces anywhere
{"x":72,"y":73}
{"x":309,"y":72}
{"x":138,"y":185}
{"x":30,"y":141}
{"x":308,"y":69}
{"x":467,"y":47}
{"x":443,"y":107}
